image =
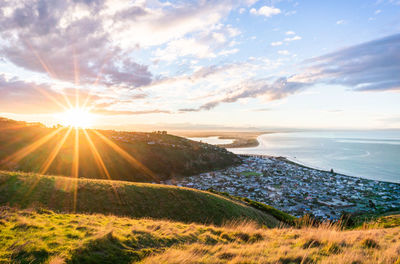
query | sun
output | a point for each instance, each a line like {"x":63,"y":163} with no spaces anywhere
{"x":76,"y":117}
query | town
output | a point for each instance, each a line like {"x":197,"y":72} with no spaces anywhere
{"x":297,"y":189}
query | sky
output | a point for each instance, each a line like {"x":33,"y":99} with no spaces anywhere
{"x":217,"y":64}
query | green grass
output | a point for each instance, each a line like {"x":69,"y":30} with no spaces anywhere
{"x":281,"y":216}
{"x":167,"y":156}
{"x":124,"y":199}
{"x":387,"y":221}
{"x":42,"y":236}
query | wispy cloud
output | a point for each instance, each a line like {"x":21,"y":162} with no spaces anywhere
{"x":371,"y":66}
{"x":283,"y":52}
{"x":266,"y":11}
{"x":293,"y":38}
{"x":276,"y":43}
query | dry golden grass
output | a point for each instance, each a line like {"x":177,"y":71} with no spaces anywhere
{"x":42,"y":236}
{"x":324,"y":244}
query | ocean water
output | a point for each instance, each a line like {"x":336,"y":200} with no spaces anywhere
{"x":368,"y":154}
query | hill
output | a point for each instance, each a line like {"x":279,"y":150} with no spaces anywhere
{"x":124,"y":199}
{"x":42,"y":236}
{"x":105,"y":154}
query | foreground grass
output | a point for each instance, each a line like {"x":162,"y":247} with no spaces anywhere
{"x":42,"y":236}
{"x":124,"y":199}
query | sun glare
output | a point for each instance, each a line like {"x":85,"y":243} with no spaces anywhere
{"x":76,"y":117}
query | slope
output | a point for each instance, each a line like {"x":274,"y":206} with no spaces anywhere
{"x":42,"y":236}
{"x":125,"y":199}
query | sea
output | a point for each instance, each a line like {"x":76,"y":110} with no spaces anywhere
{"x":368,"y":154}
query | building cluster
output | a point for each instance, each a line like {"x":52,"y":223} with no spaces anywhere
{"x":298,"y":190}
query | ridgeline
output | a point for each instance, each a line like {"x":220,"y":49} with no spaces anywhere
{"x":121,"y":198}
{"x":105,"y":154}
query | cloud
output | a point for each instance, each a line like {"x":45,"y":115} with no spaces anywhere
{"x":371,"y":66}
{"x":278,"y":89}
{"x":228,"y":52}
{"x":292,"y":38}
{"x":340,"y":22}
{"x":68,"y":41}
{"x":95,"y":39}
{"x":18,"y":96}
{"x":290,"y":32}
{"x":290,"y":13}
{"x":266,"y":11}
{"x":129,"y":112}
{"x":277,"y":43}
{"x":283,"y":52}
{"x":184,"y":47}
{"x":261,"y":110}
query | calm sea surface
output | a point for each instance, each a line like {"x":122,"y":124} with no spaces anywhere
{"x":368,"y":154}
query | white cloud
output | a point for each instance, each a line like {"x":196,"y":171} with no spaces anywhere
{"x":276,"y":43}
{"x":267,"y":11}
{"x":293,"y":38}
{"x":228,"y":52}
{"x":184,"y":47}
{"x":242,"y":10}
{"x":290,"y":13}
{"x":283,"y":52}
{"x":290,"y":32}
{"x":340,"y":22}
{"x":378,"y":11}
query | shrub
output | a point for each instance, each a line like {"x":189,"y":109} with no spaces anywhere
{"x":369,"y":243}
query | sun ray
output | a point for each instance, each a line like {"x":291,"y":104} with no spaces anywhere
{"x":100,"y":162}
{"x":89,"y":95}
{"x":75,"y":168}
{"x":49,"y":161}
{"x":76,"y":76}
{"x":55,"y":152}
{"x":50,"y":97}
{"x":134,"y":162}
{"x":19,"y":155}
{"x":47,"y":69}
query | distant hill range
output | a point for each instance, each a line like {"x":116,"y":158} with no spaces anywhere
{"x":105,"y":154}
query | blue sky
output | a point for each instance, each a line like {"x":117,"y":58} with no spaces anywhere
{"x":194,"y":64}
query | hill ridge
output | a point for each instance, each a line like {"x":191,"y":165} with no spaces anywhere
{"x":66,"y":194}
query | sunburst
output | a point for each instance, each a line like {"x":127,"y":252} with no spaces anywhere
{"x":78,"y":118}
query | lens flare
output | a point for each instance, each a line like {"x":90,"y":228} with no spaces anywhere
{"x":76,"y":117}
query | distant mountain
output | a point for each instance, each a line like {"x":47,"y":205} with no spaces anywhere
{"x":105,"y":154}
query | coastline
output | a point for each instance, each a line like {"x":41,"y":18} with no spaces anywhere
{"x":297,"y":162}
{"x":240,"y":139}
{"x":298,"y":189}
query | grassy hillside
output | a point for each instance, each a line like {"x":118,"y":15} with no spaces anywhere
{"x":105,"y":154}
{"x":42,"y":236}
{"x":124,"y":199}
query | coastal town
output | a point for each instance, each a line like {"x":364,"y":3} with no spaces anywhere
{"x":297,"y":189}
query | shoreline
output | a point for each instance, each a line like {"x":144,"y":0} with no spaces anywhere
{"x":287,"y":160}
{"x":297,"y":189}
{"x":309,"y":166}
{"x":240,"y":139}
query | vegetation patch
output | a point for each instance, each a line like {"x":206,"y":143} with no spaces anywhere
{"x":64,"y":194}
{"x":98,"y":238}
{"x":369,"y":243}
{"x":281,"y":216}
